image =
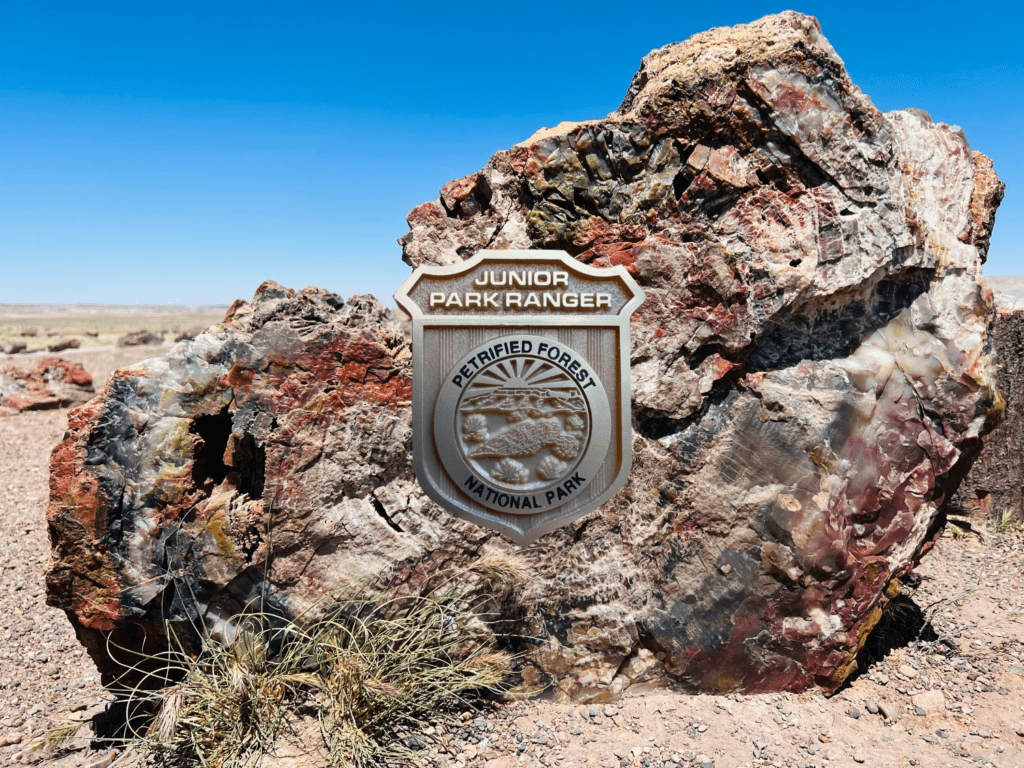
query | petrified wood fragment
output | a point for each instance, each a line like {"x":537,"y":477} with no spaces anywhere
{"x":810,"y":367}
{"x":51,"y":383}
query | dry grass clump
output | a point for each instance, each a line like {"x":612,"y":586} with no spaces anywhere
{"x":1008,"y":523}
{"x":370,"y":672}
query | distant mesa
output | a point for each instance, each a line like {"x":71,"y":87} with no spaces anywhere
{"x":524,"y":400}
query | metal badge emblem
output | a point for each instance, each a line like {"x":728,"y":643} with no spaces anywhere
{"x":521,"y":402}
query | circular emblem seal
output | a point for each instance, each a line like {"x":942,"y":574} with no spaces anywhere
{"x":522,"y":424}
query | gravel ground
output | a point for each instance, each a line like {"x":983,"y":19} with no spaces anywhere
{"x":45,"y":675}
{"x":954,"y":697}
{"x":100,"y":361}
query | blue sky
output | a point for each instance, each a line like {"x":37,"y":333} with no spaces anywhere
{"x":184,"y":152}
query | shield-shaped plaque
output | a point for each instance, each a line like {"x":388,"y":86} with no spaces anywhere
{"x":521,"y":403}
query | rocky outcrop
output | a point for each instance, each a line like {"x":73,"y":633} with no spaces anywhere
{"x":993,"y":489}
{"x":811,"y":367}
{"x":52,"y":383}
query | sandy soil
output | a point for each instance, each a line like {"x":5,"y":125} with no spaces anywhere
{"x":96,"y":328}
{"x":41,"y":325}
{"x":956,"y":699}
{"x":99,"y":360}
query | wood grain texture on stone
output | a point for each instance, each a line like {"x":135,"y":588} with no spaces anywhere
{"x":812,"y":364}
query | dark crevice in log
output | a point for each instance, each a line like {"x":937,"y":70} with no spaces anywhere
{"x":384,"y":514}
{"x":209,"y":469}
{"x":249,"y":466}
{"x":654,"y":425}
{"x":833,"y":332}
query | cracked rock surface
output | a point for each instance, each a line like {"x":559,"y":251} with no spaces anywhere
{"x":810,"y":371}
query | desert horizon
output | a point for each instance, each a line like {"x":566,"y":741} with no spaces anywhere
{"x":685,"y":432}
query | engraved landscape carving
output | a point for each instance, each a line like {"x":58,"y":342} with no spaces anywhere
{"x":524,"y":422}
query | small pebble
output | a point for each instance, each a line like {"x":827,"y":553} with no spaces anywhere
{"x":908,"y":671}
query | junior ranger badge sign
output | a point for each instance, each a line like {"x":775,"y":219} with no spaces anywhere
{"x":521,"y":403}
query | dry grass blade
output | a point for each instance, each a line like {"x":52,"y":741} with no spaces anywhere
{"x":502,"y":569}
{"x":57,"y":737}
{"x":166,"y":722}
{"x":372,"y":673}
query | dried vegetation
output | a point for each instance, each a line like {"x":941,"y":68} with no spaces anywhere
{"x":357,"y":684}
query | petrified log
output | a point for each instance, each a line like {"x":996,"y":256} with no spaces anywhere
{"x":52,"y":383}
{"x":140,"y":338}
{"x":810,"y":366}
{"x":60,"y":346}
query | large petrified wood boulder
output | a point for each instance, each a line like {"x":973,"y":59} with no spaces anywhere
{"x":51,"y":383}
{"x":811,"y":366}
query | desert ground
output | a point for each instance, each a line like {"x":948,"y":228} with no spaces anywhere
{"x":942,"y":683}
{"x":97,"y":329}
